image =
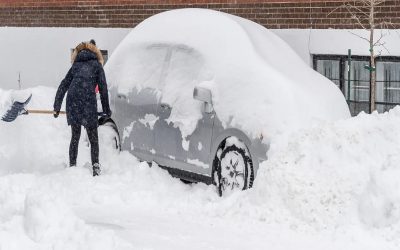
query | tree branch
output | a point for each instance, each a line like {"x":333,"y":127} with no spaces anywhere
{"x":359,"y":36}
{"x":383,"y":45}
{"x":360,"y":11}
{"x":386,"y":24}
{"x":379,"y":39}
{"x":379,"y":54}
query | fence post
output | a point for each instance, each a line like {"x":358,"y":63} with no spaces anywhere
{"x":348,"y":76}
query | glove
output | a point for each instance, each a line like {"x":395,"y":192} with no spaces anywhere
{"x":107,"y":114}
{"x":56,"y":113}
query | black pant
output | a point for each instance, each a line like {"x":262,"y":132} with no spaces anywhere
{"x":73,"y":146}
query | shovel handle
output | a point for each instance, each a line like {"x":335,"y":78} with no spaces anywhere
{"x":36,"y":111}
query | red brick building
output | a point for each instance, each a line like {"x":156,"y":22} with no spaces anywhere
{"x":273,"y":14}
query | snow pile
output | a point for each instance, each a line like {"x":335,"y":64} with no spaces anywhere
{"x":13,"y":193}
{"x":44,"y":133}
{"x":252,"y":73}
{"x":36,"y":216}
{"x":340,"y":174}
{"x":49,"y":221}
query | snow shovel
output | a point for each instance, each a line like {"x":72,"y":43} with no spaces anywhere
{"x":18,"y":108}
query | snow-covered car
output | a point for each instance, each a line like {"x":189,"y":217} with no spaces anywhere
{"x":203,"y":93}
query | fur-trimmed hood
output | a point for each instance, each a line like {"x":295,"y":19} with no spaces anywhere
{"x":90,"y":47}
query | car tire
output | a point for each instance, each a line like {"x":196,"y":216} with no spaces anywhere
{"x":234,"y":169}
{"x":109,"y":136}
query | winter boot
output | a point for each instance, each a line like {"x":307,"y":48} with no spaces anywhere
{"x":96,"y":169}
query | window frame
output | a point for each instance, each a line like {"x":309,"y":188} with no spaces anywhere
{"x":342,"y":73}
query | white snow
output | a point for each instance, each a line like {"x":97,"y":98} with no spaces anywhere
{"x":331,"y":186}
{"x":149,"y":120}
{"x":199,"y":163}
{"x":258,"y":82}
{"x":127,"y":130}
{"x":185,"y":144}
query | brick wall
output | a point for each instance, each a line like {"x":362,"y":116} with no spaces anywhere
{"x":128,"y":13}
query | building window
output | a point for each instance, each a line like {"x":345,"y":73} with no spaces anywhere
{"x":387,"y":85}
{"x":357,"y":89}
{"x":330,"y":69}
{"x":105,"y":55}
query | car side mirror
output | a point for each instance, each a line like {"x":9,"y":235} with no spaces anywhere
{"x":204,"y":95}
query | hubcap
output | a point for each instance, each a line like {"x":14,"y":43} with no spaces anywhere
{"x":232,"y":172}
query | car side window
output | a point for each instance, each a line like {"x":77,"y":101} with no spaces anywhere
{"x":153,"y":64}
{"x":146,"y":72}
{"x":183,"y":74}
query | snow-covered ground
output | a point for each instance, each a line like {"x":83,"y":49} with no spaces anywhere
{"x":332,"y":186}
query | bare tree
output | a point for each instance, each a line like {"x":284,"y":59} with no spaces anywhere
{"x":363,"y":12}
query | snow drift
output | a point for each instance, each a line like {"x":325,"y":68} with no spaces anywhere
{"x":258,"y":82}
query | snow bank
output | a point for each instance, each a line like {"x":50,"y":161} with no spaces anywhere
{"x":44,"y":133}
{"x":48,"y":220}
{"x":252,"y":73}
{"x":341,"y":173}
{"x":41,"y":219}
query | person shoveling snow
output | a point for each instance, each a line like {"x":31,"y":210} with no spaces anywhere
{"x":80,"y":82}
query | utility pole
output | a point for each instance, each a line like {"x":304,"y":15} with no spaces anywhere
{"x":348,"y":76}
{"x":19,"y":80}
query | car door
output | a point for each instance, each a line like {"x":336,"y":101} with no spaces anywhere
{"x":188,"y":152}
{"x":138,"y":135}
{"x":137,"y":107}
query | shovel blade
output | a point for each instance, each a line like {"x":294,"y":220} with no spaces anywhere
{"x":16,"y":109}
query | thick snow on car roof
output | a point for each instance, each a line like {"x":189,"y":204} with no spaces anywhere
{"x":258,"y":82}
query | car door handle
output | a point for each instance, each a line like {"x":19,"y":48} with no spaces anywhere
{"x":165,"y":106}
{"x":121,"y":96}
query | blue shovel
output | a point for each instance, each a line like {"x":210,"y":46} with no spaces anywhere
{"x":18,"y":108}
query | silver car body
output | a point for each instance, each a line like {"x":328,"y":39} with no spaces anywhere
{"x":146,"y":131}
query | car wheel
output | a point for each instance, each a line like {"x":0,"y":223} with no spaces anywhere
{"x":109,"y":137}
{"x":234,"y":170}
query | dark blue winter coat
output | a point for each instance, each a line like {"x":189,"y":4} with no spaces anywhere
{"x":80,"y":82}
